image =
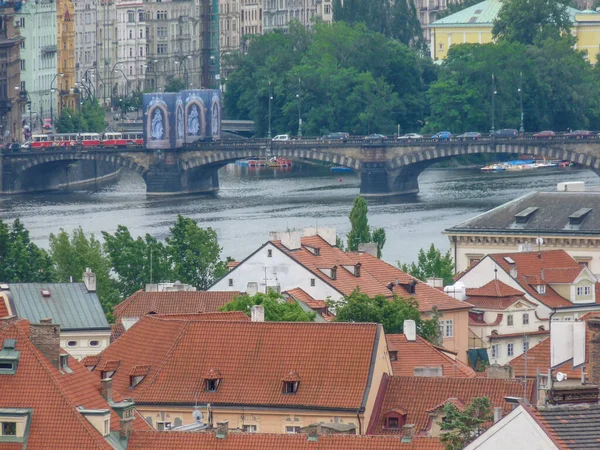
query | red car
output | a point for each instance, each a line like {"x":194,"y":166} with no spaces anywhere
{"x":579,"y":134}
{"x":544,"y":134}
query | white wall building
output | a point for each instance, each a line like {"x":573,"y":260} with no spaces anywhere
{"x":86,"y":23}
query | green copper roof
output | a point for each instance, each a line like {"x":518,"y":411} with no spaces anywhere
{"x":481,"y":14}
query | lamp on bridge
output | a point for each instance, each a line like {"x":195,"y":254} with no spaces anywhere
{"x":270,"y":100}
{"x":521,"y":128}
{"x":494,"y":92}
{"x":299,"y":98}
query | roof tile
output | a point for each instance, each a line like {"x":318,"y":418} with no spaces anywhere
{"x":494,"y":288}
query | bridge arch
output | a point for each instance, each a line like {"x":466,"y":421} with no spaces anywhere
{"x":117,"y":159}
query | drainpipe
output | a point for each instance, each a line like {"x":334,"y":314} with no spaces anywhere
{"x":550,"y":380}
{"x":455,"y":254}
{"x":359,"y":422}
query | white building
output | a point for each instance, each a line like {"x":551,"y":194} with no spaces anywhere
{"x":279,"y":13}
{"x":86,"y":24}
{"x":37,"y":23}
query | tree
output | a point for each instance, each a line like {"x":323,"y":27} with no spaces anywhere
{"x":71,"y":256}
{"x":88,"y":118}
{"x":359,"y":307}
{"x":195,"y":253}
{"x":431,"y":264}
{"x":360,"y":232}
{"x":540,"y":18}
{"x":175,"y":85}
{"x":454,"y":7}
{"x":65,"y":123}
{"x":276,"y":308}
{"x":462,"y":427}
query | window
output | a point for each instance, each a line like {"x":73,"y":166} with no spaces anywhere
{"x":6,"y":366}
{"x":131,"y":16}
{"x":525,"y":318}
{"x":161,"y":32}
{"x":447,"y":328}
{"x":292,"y":430}
{"x":587,"y":290}
{"x":269,"y":253}
{"x":495,"y":351}
{"x":249,"y":428}
{"x":473,"y":261}
{"x":231,"y":282}
{"x":290,"y":387}
{"x":525,"y":345}
{"x":141,"y":16}
{"x":22,"y":64}
{"x":509,"y":320}
{"x":541,"y":288}
{"x":510,"y":349}
{"x":130,"y":34}
{"x":130,"y":52}
{"x":9,"y":428}
{"x":394,"y":356}
{"x":312,"y":281}
{"x":212,"y":385}
{"x":106,"y":427}
{"x":161,"y":49}
{"x":21,"y":22}
{"x":72,"y":344}
{"x":162,"y":426}
{"x":392,"y":422}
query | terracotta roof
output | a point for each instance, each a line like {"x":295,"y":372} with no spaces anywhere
{"x":54,"y":397}
{"x":179,"y":302}
{"x":561,"y":274}
{"x":90,"y":361}
{"x":108,"y":365}
{"x":421,"y":353}
{"x":333,"y":375}
{"x":232,"y":264}
{"x":156,"y":440}
{"x":3,"y":307}
{"x":513,"y":335}
{"x":571,"y":426}
{"x":229,"y":316}
{"x":538,"y":358}
{"x":116,"y":330}
{"x":532,"y":267}
{"x":319,"y":306}
{"x":494,"y":288}
{"x":500,"y":303}
{"x":419,"y":395}
{"x":139,"y":371}
{"x":375,"y":278}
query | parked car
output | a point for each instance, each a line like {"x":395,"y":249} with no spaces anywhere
{"x":579,"y":134}
{"x":375,"y":136}
{"x":337,"y":136}
{"x":411,"y":136}
{"x":282,"y":137}
{"x":469,"y":135}
{"x":506,"y":133}
{"x":544,"y":134}
{"x":442,"y":135}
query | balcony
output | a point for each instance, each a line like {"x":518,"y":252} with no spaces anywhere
{"x":47,"y":49}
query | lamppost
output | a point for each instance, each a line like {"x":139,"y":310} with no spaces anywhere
{"x":270,"y":100}
{"x":493,"y":130}
{"x":112,"y":71}
{"x":522,"y":128}
{"x":299,"y":110}
{"x":51,"y":99}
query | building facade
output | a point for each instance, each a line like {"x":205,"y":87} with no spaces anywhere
{"x":106,"y":42}
{"x":279,"y":13}
{"x":65,"y":37}
{"x":10,"y":75}
{"x":229,"y":33}
{"x":86,"y":23}
{"x":37,"y":25}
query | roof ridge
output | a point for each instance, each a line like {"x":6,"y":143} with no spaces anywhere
{"x":95,"y":435}
{"x":454,"y":362}
{"x":126,"y":302}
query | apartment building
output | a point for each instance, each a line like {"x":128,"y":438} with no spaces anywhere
{"x":65,"y":37}
{"x":279,"y":13}
{"x":86,"y":20}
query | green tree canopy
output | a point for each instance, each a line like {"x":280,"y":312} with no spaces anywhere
{"x":431,"y":264}
{"x":526,"y":23}
{"x":175,"y":85}
{"x":454,"y":7}
{"x":463,"y":426}
{"x":88,"y":118}
{"x":361,"y":233}
{"x":277,"y":309}
{"x":359,"y":307}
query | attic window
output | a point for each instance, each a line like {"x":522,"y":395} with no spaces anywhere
{"x":578,"y":216}
{"x":393,"y":355}
{"x":393,"y":423}
{"x":317,"y":251}
{"x":541,"y":288}
{"x":64,"y":364}
{"x":212,"y":379}
{"x":334,"y":272}
{"x":269,"y":253}
{"x":357,"y":267}
{"x":137,"y":375}
{"x":524,"y":216}
{"x":509,"y":260}
{"x":291,"y":383}
{"x":46,"y":293}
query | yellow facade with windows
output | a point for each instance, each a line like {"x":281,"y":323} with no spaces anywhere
{"x":65,"y":40}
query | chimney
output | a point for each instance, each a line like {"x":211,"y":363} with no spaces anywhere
{"x":252,"y":288}
{"x":257,"y":313}
{"x":369,"y":247}
{"x":126,"y":423}
{"x":408,"y":432}
{"x":106,"y":389}
{"x":46,"y":337}
{"x":437,"y":283}
{"x":357,"y":267}
{"x":593,"y":325}
{"x":410,"y":330}
{"x":513,"y":272}
{"x":497,"y":414}
{"x":89,"y":279}
{"x":500,"y":372}
{"x":222,"y":429}
{"x":291,"y":240}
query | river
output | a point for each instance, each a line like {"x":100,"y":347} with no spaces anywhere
{"x":252,"y":203}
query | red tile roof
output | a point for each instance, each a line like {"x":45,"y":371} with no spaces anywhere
{"x":332,"y":373}
{"x":375,"y":278}
{"x":494,"y":303}
{"x":421,"y":353}
{"x":54,"y":397}
{"x":116,"y":330}
{"x":538,"y":358}
{"x":3,"y":307}
{"x":320,"y":306}
{"x":179,"y":440}
{"x":534,"y":268}
{"x":228,"y":316}
{"x":525,"y":333}
{"x":494,"y":288}
{"x":419,"y":395}
{"x":179,"y":302}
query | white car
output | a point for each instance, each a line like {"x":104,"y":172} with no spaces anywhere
{"x":411,"y":136}
{"x":282,"y":137}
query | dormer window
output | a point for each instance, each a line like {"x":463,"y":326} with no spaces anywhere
{"x":9,"y":357}
{"x":393,"y":355}
{"x":212,"y":380}
{"x":108,"y":368}
{"x":541,"y":288}
{"x":357,"y":267}
{"x":291,"y":383}
{"x":64,"y":364}
{"x":137,"y":375}
{"x":393,"y":423}
{"x":395,"y":419}
{"x":334,"y":272}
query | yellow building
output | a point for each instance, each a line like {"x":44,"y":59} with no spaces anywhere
{"x":65,"y":38}
{"x":474,"y":25}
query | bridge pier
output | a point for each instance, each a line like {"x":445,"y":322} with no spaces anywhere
{"x":377,"y":179}
{"x":166,"y":177}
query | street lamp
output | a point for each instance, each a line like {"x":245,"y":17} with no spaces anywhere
{"x":522,"y":128}
{"x":299,"y":110}
{"x":111,"y":81}
{"x":494,"y":92}
{"x":270,"y":100}
{"x":51,"y":99}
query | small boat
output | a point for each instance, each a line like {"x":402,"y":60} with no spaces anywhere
{"x":494,"y":168}
{"x":279,"y":162}
{"x":340,"y":169}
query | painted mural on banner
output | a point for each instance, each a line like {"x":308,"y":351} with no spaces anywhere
{"x":172,"y":119}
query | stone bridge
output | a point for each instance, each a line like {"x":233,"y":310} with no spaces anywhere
{"x":389,"y":167}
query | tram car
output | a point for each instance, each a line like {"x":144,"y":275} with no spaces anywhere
{"x":108,"y":139}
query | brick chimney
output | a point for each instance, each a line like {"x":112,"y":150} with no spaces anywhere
{"x":593,"y":325}
{"x":222,"y":429}
{"x":106,"y":389}
{"x":126,"y":423}
{"x":46,"y":337}
{"x":408,"y":432}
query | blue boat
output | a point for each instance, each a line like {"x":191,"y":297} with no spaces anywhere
{"x":340,"y":169}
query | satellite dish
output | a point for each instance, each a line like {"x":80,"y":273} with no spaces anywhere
{"x":539,"y":241}
{"x":197,"y":415}
{"x":561,"y":376}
